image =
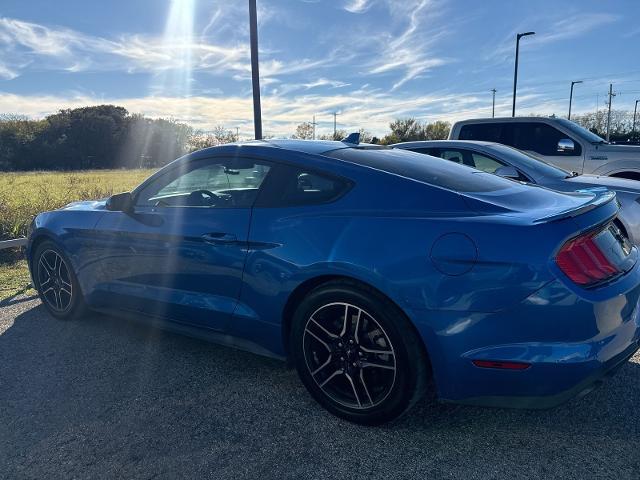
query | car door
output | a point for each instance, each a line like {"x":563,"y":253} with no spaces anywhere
{"x":180,"y":253}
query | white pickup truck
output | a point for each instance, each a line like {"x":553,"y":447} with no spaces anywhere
{"x":557,"y":141}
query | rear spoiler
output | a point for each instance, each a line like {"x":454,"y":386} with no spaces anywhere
{"x":601,"y":198}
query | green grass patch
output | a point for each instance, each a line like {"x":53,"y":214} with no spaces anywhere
{"x":25,"y":194}
{"x":15,"y":280}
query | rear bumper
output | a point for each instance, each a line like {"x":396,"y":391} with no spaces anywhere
{"x":582,"y":388}
{"x":570,"y":343}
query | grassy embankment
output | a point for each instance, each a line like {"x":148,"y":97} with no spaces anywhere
{"x":25,"y":194}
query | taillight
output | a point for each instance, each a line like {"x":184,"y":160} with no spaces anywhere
{"x":582,"y":260}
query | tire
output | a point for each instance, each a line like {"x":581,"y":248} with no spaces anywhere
{"x":56,"y":282}
{"x":369,"y":370}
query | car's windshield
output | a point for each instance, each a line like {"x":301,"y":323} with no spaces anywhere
{"x":580,"y":131}
{"x":528,"y":164}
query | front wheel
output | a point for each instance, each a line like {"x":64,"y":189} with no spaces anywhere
{"x":357,"y":353}
{"x":56,"y":282}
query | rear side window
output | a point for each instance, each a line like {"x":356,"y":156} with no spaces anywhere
{"x":290,"y":186}
{"x":433,"y":171}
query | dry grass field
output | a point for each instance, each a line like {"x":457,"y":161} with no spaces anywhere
{"x":24,"y":194}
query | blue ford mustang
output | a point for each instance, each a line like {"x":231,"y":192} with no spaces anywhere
{"x":370,"y":269}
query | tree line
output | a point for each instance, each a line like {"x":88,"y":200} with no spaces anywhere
{"x":104,"y":136}
{"x":108,"y":136}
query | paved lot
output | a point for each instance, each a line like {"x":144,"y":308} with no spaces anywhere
{"x":105,"y":397}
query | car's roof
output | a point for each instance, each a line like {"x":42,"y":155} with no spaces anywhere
{"x":315,"y":147}
{"x":441,"y":143}
{"x":506,"y":119}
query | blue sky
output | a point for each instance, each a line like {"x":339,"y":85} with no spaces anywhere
{"x":370,"y":60}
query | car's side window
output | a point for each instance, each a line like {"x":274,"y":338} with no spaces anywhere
{"x":292,"y":186}
{"x":484,"y":163}
{"x":212,"y":183}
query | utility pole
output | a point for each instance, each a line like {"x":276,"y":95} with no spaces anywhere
{"x":611,"y":95}
{"x":237,"y":134}
{"x":633,"y":128}
{"x":515,"y":73}
{"x":335,"y":130}
{"x":493,"y":107}
{"x":314,"y":127}
{"x":255,"y":71}
{"x":571,"y":97}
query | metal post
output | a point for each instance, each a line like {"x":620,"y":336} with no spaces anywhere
{"x":335,"y":130}
{"x":635,"y":112}
{"x":515,"y":72}
{"x":571,"y":97}
{"x":493,"y":107}
{"x":314,"y":127}
{"x":611,"y":95}
{"x":255,"y":72}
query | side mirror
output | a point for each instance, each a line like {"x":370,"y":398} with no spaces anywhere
{"x":508,"y":171}
{"x":566,"y":145}
{"x":120,"y":202}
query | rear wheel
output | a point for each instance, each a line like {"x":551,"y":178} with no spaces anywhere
{"x":357,"y":353}
{"x":56,"y":282}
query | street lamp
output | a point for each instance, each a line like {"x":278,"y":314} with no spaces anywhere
{"x":571,"y":97}
{"x":515,"y":73}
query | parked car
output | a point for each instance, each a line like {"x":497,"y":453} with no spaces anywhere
{"x":511,"y":163}
{"x":368,"y":268}
{"x":557,"y":141}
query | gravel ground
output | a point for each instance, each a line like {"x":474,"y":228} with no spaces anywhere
{"x":106,"y":397}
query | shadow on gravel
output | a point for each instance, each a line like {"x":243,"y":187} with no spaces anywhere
{"x":106,"y":397}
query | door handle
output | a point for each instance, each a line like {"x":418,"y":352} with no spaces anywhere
{"x":220,"y":238}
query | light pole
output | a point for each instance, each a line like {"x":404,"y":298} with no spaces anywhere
{"x":515,"y":73}
{"x":335,"y":124}
{"x":571,"y":97}
{"x":493,"y":107}
{"x":635,"y":111}
{"x":611,"y":95}
{"x":255,"y":72}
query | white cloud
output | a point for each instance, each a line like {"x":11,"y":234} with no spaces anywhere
{"x":411,"y":51}
{"x":357,"y":6}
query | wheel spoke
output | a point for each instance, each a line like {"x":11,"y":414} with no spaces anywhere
{"x":376,"y":351}
{"x":356,"y":330}
{"x":353,"y":387}
{"x":345,"y":320}
{"x":318,"y":339}
{"x":62,"y":289}
{"x":330,"y":377}
{"x":376,"y":364}
{"x":50,"y":289}
{"x":322,"y":366}
{"x":364,"y":385}
{"x":324,"y":330}
{"x":44,"y":259}
{"x":56,"y":295}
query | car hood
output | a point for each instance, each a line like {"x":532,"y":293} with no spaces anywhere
{"x":86,"y":205}
{"x":595,"y":181}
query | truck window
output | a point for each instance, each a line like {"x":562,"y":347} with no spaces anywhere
{"x":529,"y":136}
{"x":540,"y":138}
